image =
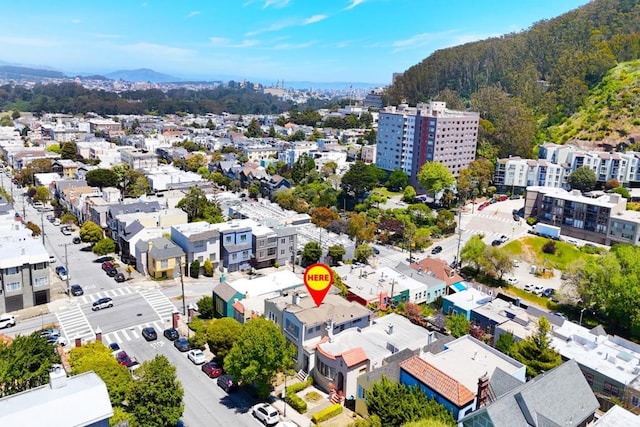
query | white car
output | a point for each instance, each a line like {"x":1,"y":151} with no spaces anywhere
{"x":528,"y":287}
{"x":266,"y":413}
{"x":7,"y":320}
{"x":537,"y":289}
{"x":196,"y":356}
{"x":512,"y":280}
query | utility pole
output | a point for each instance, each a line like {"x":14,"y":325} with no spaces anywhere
{"x":184,"y":302}
{"x":42,"y":224}
{"x":66,"y":266}
{"x":459,"y":238}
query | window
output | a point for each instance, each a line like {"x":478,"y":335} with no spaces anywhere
{"x":243,"y":238}
{"x":588,"y":377}
{"x":361,"y":392}
{"x":281,"y":251}
{"x":11,"y":270}
{"x":13,"y":286}
{"x":610,"y":389}
{"x":635,"y":401}
{"x":228,"y":239}
{"x":245,"y":254}
{"x":41,"y":281}
{"x":164,"y":263}
{"x":325,"y":370}
{"x":234,"y":256}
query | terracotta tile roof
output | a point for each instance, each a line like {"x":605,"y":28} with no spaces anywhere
{"x":440,"y":269}
{"x":354,"y":356}
{"x":237,"y":305}
{"x":438,"y":381}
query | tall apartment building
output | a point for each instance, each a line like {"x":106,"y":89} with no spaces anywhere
{"x":408,"y":137}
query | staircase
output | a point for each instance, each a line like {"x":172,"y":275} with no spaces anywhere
{"x":337,"y":397}
{"x":302,"y":375}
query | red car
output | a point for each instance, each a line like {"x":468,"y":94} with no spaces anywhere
{"x":213,"y":369}
{"x":503,"y":197}
{"x":124,"y":359}
{"x":107,"y":265}
{"x":484,"y":205}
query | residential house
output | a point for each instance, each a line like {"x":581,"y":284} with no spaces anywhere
{"x":127,"y":207}
{"x":304,"y":324}
{"x":559,"y":397}
{"x":200,"y":241}
{"x":139,"y":159}
{"x":273,"y":184}
{"x":24,"y":269}
{"x":464,"y":302}
{"x":273,"y":246}
{"x":77,"y":400}
{"x":341,"y":359}
{"x":236,"y":250}
{"x":159,"y":258}
{"x":439,"y":268}
{"x":72,"y":198}
{"x":226,"y":293}
{"x":367,"y":285}
{"x":165,"y":177}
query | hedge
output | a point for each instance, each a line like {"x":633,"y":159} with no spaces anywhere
{"x":297,"y":387}
{"x":296,"y":402}
{"x":327,"y":413}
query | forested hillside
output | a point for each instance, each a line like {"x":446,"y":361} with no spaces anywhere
{"x":546,"y":72}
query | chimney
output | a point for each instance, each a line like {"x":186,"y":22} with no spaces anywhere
{"x":330,"y":330}
{"x":98,"y":335}
{"x":57,"y":377}
{"x":483,"y":391}
{"x":295,"y":299}
{"x":389,"y":328}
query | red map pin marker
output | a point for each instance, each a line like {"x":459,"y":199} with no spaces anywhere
{"x":318,"y":279}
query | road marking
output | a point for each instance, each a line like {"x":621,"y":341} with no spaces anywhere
{"x":159,"y":303}
{"x":129,"y":333}
{"x":74,"y":324}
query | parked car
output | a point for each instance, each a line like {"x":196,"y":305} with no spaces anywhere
{"x":503,"y":197}
{"x":528,"y":287}
{"x":484,"y":205}
{"x":227,"y":383}
{"x":56,"y":340}
{"x":66,"y":231}
{"x":125,"y":360}
{"x":436,"y":250}
{"x":49,"y":332}
{"x":7,"y":320}
{"x":119,"y":277}
{"x":265,"y":413}
{"x":213,"y":369}
{"x":107,"y":265}
{"x":56,"y":222}
{"x":412,"y":259}
{"x":376,"y":250}
{"x":52,"y":259}
{"x":76,"y":290}
{"x":149,"y":334}
{"x":503,"y":238}
{"x":512,"y":280}
{"x":496,"y":242}
{"x":171,"y":334}
{"x":112,"y":272}
{"x":114,"y":346}
{"x":196,"y":356}
{"x":62,"y":272}
{"x":538,"y":289}
{"x":182,"y":344}
{"x":102,"y":303}
{"x":77,"y":240}
{"x":548,"y":293}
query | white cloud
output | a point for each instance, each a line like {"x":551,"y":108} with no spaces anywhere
{"x":418,"y":40}
{"x":226,"y":43}
{"x":353,"y":4}
{"x":28,"y":41}
{"x":275,"y":3}
{"x":291,"y":46}
{"x":193,"y":13}
{"x":314,"y":19}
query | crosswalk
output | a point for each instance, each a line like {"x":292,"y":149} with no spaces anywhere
{"x":159,"y":302}
{"x":495,"y":218}
{"x":74,"y":324}
{"x":133,"y":332}
{"x":111,"y":293}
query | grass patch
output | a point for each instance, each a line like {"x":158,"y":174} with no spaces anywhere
{"x":313,"y":397}
{"x":566,"y":253}
{"x":383,"y":191}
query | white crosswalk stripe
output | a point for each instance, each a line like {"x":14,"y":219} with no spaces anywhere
{"x":74,"y":324}
{"x":111,"y":293}
{"x":132,"y":332}
{"x":159,"y":302}
{"x":497,"y":218}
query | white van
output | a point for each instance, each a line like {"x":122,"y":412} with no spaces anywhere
{"x":56,"y":222}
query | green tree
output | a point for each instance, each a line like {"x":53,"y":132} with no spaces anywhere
{"x":360,"y":228}
{"x":336,"y":252}
{"x":42,"y":194}
{"x":221,"y":335}
{"x":102,"y":178}
{"x":397,"y":180}
{"x":363,"y":253}
{"x":94,"y":356}
{"x":260,"y":351}
{"x":435,"y":177}
{"x":583,"y":179}
{"x":396,"y":404}
{"x":68,"y":150}
{"x":254,"y":190}
{"x":505,"y":342}
{"x":329,"y":169}
{"x":104,"y":246}
{"x":25,"y":363}
{"x":205,"y":307}
{"x":155,"y":399}
{"x":498,"y":260}
{"x":536,"y":351}
{"x":622,"y":192}
{"x":53,"y":148}
{"x":473,"y":252}
{"x":194,"y":269}
{"x":301,"y":169}
{"x":196,"y":161}
{"x":139,"y":185}
{"x":457,"y":325}
{"x":208,"y":268}
{"x":360,"y":179}
{"x":409,"y":194}
{"x":90,"y":232}
{"x":253,"y":130}
{"x":199,"y":208}
{"x":311,"y":253}
{"x":68,"y":218}
{"x":35,"y":230}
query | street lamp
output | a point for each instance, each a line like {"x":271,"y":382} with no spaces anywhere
{"x":284,"y":396}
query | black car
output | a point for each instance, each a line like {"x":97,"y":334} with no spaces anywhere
{"x":376,"y":250}
{"x":119,"y":277}
{"x":436,"y":250}
{"x":102,"y":303}
{"x":114,"y":346}
{"x":548,"y":293}
{"x":171,"y":334}
{"x":227,"y":383}
{"x":76,"y":290}
{"x":182,"y":344}
{"x":496,"y":243}
{"x":77,"y":240}
{"x":112,"y":272}
{"x":149,"y":334}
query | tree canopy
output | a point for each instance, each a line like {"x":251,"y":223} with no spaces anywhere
{"x":90,"y":232}
{"x":199,"y":208}
{"x":583,"y":179}
{"x":435,"y":177}
{"x":536,"y":351}
{"x":102,"y":178}
{"x":361,"y":178}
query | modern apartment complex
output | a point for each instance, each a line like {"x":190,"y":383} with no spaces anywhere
{"x":408,"y":137}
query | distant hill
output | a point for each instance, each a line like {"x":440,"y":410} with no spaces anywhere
{"x":16,"y":72}
{"x":611,"y":112}
{"x":94,"y":77}
{"x":142,"y":75}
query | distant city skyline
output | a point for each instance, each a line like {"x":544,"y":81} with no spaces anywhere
{"x":266,"y":40}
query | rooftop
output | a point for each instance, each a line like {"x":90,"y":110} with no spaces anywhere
{"x":469,"y":298}
{"x":334,"y":308}
{"x":277,"y":281}
{"x":607,"y":200}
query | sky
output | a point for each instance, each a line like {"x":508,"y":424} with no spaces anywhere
{"x":258,"y":40}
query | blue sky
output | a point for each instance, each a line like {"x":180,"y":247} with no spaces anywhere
{"x":260,"y":40}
